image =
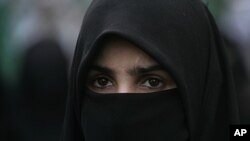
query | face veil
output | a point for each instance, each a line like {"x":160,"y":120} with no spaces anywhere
{"x":180,"y":35}
{"x":133,"y":116}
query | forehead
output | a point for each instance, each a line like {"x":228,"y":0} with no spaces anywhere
{"x":122,"y":53}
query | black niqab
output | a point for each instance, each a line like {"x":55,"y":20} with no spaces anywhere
{"x":182,"y":36}
{"x":154,"y":116}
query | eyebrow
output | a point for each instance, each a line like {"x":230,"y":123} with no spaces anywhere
{"x":142,"y":70}
{"x":138,"y":70}
{"x":102,"y":69}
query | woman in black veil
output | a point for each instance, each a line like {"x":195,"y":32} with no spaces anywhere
{"x":179,"y":36}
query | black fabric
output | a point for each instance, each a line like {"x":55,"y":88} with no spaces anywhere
{"x":154,"y":116}
{"x":182,"y":36}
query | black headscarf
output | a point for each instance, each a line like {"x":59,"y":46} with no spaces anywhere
{"x":182,"y":36}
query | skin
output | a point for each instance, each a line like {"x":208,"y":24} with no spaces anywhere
{"x":121,"y":67}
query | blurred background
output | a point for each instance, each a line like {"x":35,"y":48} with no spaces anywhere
{"x":37,"y":41}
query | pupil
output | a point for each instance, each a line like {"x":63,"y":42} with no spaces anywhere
{"x":154,"y":82}
{"x":103,"y":81}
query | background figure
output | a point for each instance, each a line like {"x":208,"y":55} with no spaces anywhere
{"x":241,"y":78}
{"x":235,"y":24}
{"x":44,"y":89}
{"x":25,"y":23}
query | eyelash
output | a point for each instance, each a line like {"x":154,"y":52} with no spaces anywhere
{"x":142,"y":83}
{"x":148,"y":77}
{"x":95,"y":80}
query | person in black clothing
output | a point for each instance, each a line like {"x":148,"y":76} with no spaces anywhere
{"x":178,"y":87}
{"x":43,"y":91}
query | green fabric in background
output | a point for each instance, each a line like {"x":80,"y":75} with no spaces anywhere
{"x":3,"y":17}
{"x":216,"y":7}
{"x":9,"y":59}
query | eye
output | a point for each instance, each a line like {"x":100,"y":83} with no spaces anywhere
{"x":102,"y":82}
{"x":152,"y":83}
